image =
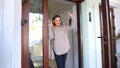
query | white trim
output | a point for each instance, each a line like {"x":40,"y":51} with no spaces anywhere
{"x":10,"y":52}
{"x":16,"y":48}
{"x":1,"y":22}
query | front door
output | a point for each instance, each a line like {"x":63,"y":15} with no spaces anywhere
{"x":34,"y":27}
{"x":34,"y":34}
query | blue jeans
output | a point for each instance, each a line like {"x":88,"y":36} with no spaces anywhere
{"x":60,"y":60}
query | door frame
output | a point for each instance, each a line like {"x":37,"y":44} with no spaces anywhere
{"x":107,"y":51}
{"x":113,"y":40}
{"x":24,"y":34}
{"x":45,"y":35}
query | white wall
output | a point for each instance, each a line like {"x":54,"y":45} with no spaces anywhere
{"x":117,"y":26}
{"x":1,"y":17}
{"x":117,"y":30}
{"x":72,"y":57}
{"x":117,"y":19}
{"x":10,"y":52}
{"x":90,"y":31}
{"x":114,"y":3}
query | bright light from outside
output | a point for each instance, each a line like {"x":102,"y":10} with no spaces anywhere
{"x":35,"y":28}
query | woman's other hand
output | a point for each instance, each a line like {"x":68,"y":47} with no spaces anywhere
{"x":49,"y":24}
{"x":70,"y":14}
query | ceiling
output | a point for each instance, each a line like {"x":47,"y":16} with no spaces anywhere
{"x":58,"y":6}
{"x":54,"y":6}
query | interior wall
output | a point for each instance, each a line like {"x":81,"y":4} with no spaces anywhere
{"x":117,"y":30}
{"x":16,"y":48}
{"x":117,"y":19}
{"x":90,"y":30}
{"x":10,"y":30}
{"x":70,"y":59}
{"x":1,"y":19}
{"x":117,"y":25}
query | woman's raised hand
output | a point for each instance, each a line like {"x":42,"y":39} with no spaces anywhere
{"x":70,"y":14}
{"x":49,"y":24}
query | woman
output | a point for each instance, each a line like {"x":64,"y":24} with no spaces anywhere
{"x":59,"y":35}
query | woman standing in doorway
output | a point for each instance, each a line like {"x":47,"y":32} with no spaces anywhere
{"x":59,"y":35}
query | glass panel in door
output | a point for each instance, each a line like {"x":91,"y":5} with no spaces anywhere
{"x":36,"y":34}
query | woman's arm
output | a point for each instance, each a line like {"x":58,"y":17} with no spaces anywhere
{"x":72,"y":25}
{"x":51,"y":34}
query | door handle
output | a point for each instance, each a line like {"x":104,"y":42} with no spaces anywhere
{"x":101,"y":37}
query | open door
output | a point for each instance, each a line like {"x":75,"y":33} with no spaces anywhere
{"x":108,"y":40}
{"x":34,"y":34}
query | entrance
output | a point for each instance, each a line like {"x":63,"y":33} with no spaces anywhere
{"x":36,"y":51}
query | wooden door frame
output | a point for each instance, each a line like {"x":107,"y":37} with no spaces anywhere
{"x":113,"y":40}
{"x":24,"y":34}
{"x":106,"y":48}
{"x":45,"y":35}
{"x":106,"y":61}
{"x":25,"y":49}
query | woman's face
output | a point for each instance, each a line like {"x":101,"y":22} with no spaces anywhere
{"x":57,"y":21}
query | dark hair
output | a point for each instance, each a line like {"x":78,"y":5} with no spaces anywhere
{"x":54,"y":17}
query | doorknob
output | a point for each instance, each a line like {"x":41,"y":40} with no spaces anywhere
{"x":101,"y":37}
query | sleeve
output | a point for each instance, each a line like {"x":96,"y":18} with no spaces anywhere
{"x":51,"y":34}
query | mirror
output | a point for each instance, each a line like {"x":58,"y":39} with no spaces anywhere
{"x":36,"y":34}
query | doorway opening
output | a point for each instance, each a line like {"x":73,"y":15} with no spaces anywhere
{"x":61,"y":8}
